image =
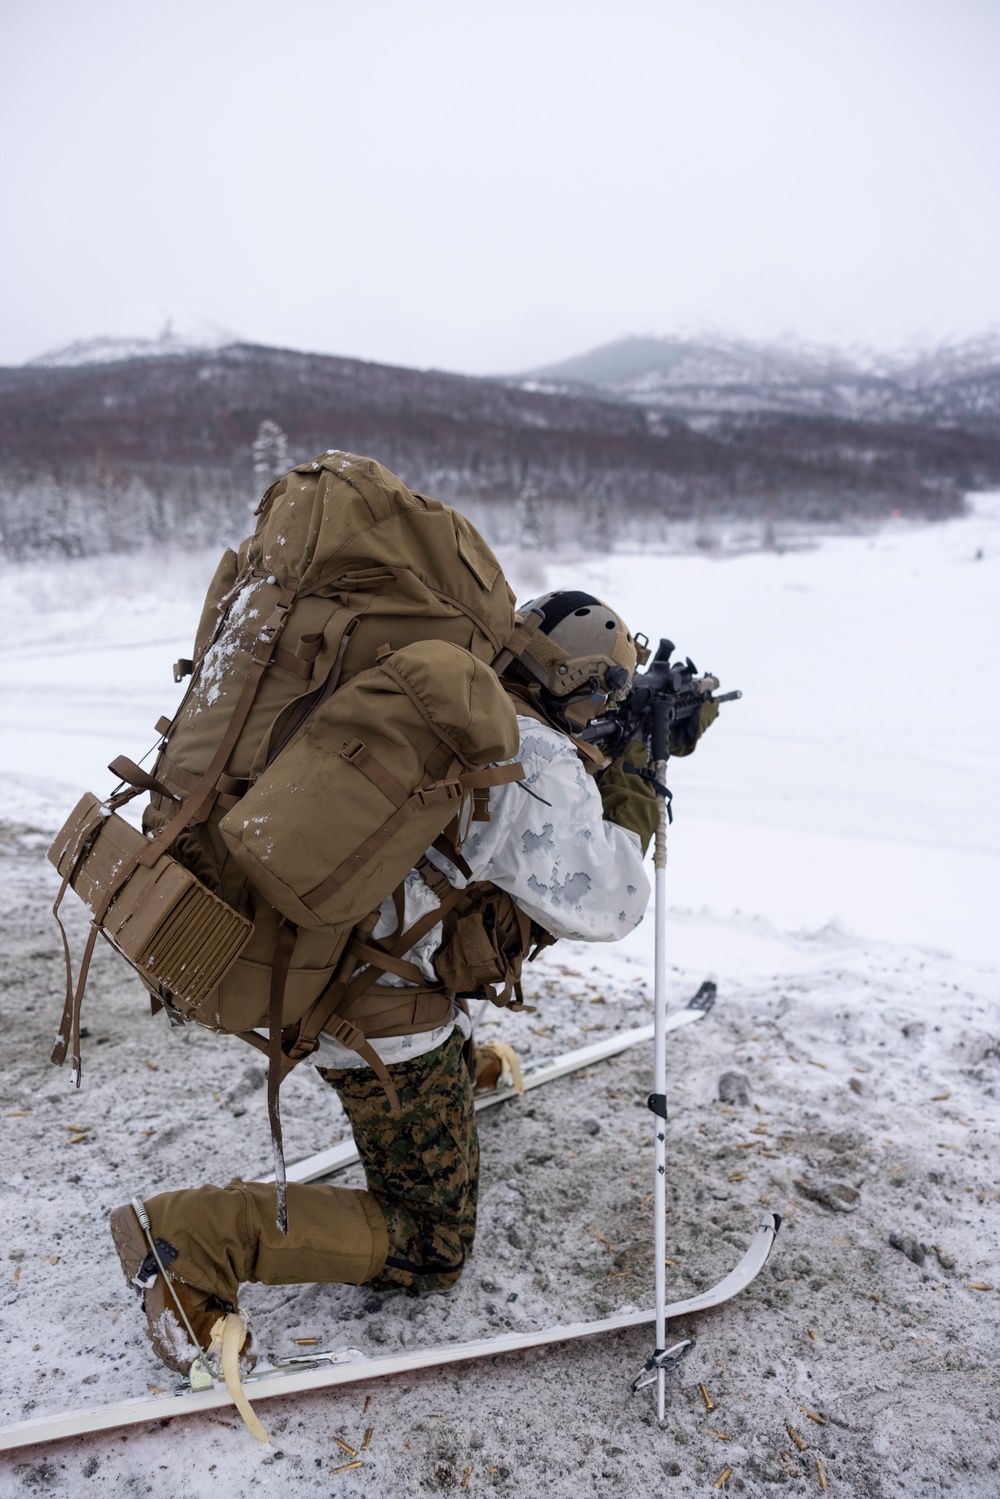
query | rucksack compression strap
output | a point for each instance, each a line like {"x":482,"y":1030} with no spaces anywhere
{"x":196,"y":807}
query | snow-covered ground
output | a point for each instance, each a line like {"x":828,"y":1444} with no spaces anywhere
{"x":833,"y":864}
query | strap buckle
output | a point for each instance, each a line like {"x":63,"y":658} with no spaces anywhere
{"x":345,"y":1032}
{"x":441,"y":791}
{"x":263,"y":646}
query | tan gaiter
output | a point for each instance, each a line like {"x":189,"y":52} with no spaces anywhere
{"x":227,"y":1235}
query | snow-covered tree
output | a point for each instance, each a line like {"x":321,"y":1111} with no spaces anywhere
{"x":529,"y":519}
{"x":270,"y":453}
{"x":599,"y":519}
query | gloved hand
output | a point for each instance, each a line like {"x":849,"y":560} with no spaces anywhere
{"x":628,"y":800}
{"x":685,"y":735}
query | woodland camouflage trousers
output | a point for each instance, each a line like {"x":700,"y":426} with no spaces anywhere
{"x":413,"y":1227}
{"x":422,"y":1164}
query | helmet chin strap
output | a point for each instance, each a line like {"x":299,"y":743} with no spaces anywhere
{"x":556,"y":707}
{"x":542,"y":702}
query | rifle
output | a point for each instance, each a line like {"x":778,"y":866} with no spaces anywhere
{"x":662,"y":697}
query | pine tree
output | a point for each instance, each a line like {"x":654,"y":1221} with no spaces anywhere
{"x":270,"y":453}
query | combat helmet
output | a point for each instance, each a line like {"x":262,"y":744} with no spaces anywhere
{"x":582,"y":655}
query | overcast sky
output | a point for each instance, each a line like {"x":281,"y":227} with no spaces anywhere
{"x":491,"y":186}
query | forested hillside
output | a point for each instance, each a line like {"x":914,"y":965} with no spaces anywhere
{"x":114,"y":453}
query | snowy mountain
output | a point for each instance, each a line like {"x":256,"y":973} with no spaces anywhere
{"x":191,"y":336}
{"x":954,"y":385}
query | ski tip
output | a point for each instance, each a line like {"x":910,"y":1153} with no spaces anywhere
{"x":776,"y":1218}
{"x":705,"y":998}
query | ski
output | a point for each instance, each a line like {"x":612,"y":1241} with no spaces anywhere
{"x":326,"y":1370}
{"x":545,"y":1070}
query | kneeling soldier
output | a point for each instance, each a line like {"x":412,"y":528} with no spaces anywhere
{"x":561,"y":856}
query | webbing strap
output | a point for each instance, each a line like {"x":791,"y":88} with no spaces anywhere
{"x":187,"y":780}
{"x":288,"y":661}
{"x":438,"y":761}
{"x":230,"y":788}
{"x":433,"y":877}
{"x":87,"y":831}
{"x":348,"y":1035}
{"x":529,"y":706}
{"x":133,"y":775}
{"x":388,"y":960}
{"x":343,"y":992}
{"x":444,"y":791}
{"x":352,"y":990}
{"x":315,"y":1018}
{"x":300,"y":661}
{"x":594,"y":759}
{"x":493,"y":775}
{"x":81,"y":984}
{"x":377,"y":957}
{"x":73,"y":1001}
{"x":305,"y":712}
{"x":69,"y":1026}
{"x":196,"y":807}
{"x":517,"y":641}
{"x":164,"y":725}
{"x":280,"y":964}
{"x":384,"y":1009}
{"x":448,"y":900}
{"x":362,"y":759}
{"x":445,"y":845}
{"x":236,"y":786}
{"x":399,"y":905}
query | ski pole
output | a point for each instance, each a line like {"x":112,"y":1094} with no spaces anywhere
{"x":662,"y":716}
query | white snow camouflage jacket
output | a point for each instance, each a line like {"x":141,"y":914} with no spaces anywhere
{"x":547,"y":844}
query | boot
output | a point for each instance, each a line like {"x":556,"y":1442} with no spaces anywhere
{"x":494,"y":1061}
{"x":167,"y":1331}
{"x":213,"y":1239}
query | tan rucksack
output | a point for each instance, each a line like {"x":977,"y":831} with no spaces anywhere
{"x":342,"y":712}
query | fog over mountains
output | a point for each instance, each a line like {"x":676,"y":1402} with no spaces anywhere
{"x":113,"y":443}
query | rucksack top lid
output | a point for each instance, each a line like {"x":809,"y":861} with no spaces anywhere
{"x":338,"y":512}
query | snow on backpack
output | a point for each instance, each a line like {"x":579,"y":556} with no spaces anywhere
{"x":343,"y":712}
